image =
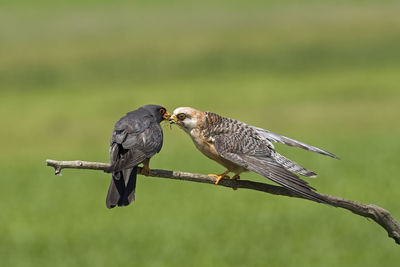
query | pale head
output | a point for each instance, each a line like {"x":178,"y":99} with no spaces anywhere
{"x":187,"y":118}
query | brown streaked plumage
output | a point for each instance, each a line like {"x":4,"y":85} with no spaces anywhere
{"x":240,"y":147}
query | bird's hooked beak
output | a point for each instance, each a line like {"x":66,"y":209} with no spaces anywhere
{"x":173,"y":119}
{"x":166,"y":116}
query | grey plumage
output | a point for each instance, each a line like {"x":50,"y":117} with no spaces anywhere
{"x":136,"y":137}
{"x":251,"y":148}
{"x":273,"y":137}
{"x":291,"y":165}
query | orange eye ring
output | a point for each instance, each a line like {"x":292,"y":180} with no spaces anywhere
{"x":162,"y":111}
{"x":181,"y":116}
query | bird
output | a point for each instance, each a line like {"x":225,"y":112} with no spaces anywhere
{"x":240,"y":147}
{"x":136,"y":138}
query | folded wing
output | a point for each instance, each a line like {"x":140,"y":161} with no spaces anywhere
{"x":256,"y":156}
{"x":131,"y":144}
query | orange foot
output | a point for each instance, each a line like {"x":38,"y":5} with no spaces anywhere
{"x":220,"y":176}
{"x":236,"y":177}
{"x":146,"y":169}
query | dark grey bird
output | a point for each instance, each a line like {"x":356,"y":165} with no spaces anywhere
{"x":136,"y":138}
{"x":241,"y":147}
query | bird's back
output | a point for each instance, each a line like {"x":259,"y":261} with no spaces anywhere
{"x":136,"y":137}
{"x":239,"y":134}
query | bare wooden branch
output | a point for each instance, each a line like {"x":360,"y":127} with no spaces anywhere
{"x":378,"y":214}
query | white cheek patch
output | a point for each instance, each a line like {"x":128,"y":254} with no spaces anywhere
{"x":189,"y":123}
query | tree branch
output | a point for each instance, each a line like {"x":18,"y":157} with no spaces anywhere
{"x":378,"y":214}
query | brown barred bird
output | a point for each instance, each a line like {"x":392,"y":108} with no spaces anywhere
{"x":240,"y":147}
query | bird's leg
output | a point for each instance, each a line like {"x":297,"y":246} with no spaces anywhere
{"x":220,"y":176}
{"x":236,"y":177}
{"x":146,"y":169}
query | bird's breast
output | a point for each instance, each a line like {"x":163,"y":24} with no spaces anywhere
{"x":207,"y":147}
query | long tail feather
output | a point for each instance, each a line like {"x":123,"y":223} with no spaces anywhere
{"x":283,"y":177}
{"x":292,"y":166}
{"x":273,"y":137}
{"x":122,"y":187}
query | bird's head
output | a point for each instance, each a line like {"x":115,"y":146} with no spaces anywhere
{"x":187,"y":118}
{"x":158,"y":112}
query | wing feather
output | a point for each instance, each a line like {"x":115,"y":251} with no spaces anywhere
{"x":136,"y":137}
{"x":276,"y":174}
{"x":277,"y":138}
{"x":264,"y":165}
{"x":130,"y":149}
{"x":121,"y":158}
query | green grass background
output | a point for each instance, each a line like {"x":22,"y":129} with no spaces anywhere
{"x":324,"y":73}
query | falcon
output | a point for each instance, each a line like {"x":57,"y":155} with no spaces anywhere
{"x":136,"y":138}
{"x":240,"y":147}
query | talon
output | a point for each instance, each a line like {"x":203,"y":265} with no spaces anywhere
{"x":220,"y":176}
{"x":146,"y":169}
{"x":235,"y":177}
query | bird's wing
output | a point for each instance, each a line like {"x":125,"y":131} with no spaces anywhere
{"x":277,"y":138}
{"x":134,"y":122}
{"x":121,"y":158}
{"x":136,"y":137}
{"x":130,"y":149}
{"x":256,"y":157}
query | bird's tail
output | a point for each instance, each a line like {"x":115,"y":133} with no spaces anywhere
{"x":292,"y":166}
{"x":268,"y":168}
{"x":121,"y":191}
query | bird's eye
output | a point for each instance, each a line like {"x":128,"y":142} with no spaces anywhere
{"x":162,"y":111}
{"x":181,"y":116}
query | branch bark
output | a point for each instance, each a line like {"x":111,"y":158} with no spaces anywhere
{"x":378,"y":214}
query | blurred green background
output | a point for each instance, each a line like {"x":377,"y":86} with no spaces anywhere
{"x":326,"y":73}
